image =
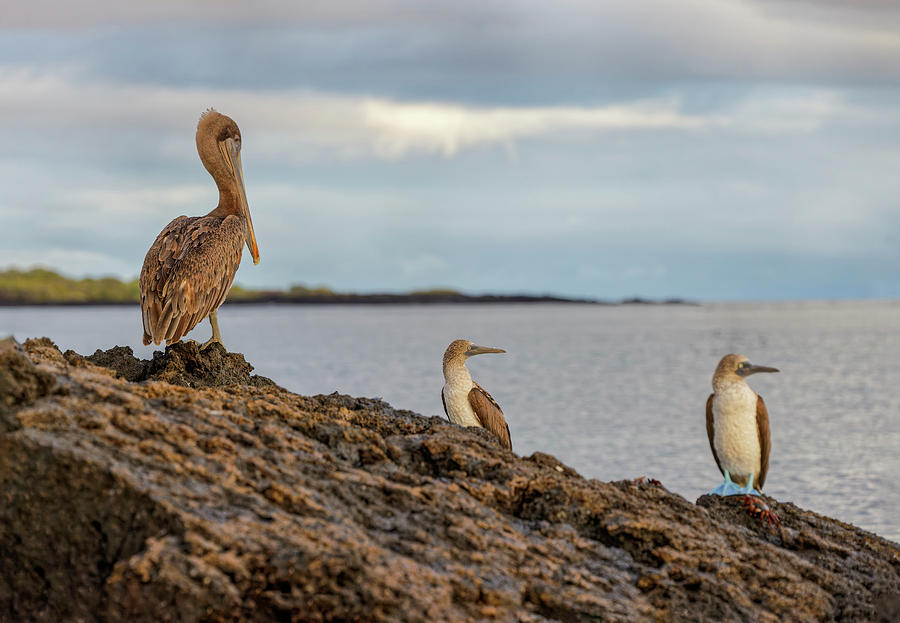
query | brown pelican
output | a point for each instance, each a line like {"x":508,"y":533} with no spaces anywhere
{"x":467,"y":403}
{"x":190,"y":267}
{"x":737,"y":424}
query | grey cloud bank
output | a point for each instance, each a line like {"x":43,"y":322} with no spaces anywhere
{"x":739,"y":150}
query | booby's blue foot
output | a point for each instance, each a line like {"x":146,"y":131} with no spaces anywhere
{"x":749,"y":490}
{"x":728,"y":487}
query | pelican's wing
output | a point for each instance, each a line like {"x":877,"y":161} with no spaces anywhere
{"x":187,"y":274}
{"x":765,"y":441}
{"x":711,"y":430}
{"x":489,"y":414}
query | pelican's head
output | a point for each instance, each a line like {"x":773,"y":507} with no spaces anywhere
{"x":734,"y":369}
{"x":460,"y":350}
{"x":219,"y":146}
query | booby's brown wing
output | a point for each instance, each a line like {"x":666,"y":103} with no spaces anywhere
{"x":489,"y":413}
{"x":444,"y":402}
{"x":765,"y":441}
{"x":711,"y":430}
{"x":187,"y":274}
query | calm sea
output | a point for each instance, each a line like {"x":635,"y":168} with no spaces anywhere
{"x":615,"y":392}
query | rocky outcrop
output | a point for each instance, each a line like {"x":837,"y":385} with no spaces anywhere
{"x":182,"y":364}
{"x":148,"y":501}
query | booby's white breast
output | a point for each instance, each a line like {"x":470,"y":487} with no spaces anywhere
{"x":456,"y":396}
{"x":736,"y":436}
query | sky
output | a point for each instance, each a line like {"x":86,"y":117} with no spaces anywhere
{"x":729,"y":150}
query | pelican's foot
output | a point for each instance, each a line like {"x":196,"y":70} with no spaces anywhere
{"x":758,"y":508}
{"x":210,"y":341}
{"x":728,"y":488}
{"x":644,"y":480}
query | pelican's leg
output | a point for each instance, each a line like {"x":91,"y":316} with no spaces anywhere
{"x":216,"y":336}
{"x":727,"y":487}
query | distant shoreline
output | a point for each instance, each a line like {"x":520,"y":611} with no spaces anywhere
{"x":374,"y":299}
{"x":43,"y":287}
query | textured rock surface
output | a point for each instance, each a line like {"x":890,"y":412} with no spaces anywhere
{"x":21,"y":383}
{"x":124,"y":501}
{"x":182,"y":364}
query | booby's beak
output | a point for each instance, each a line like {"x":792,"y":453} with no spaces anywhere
{"x":232,"y":153}
{"x":754,"y":369}
{"x":481,"y":350}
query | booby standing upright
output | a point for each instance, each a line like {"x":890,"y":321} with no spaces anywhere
{"x":190,"y":266}
{"x":737,"y":424}
{"x":467,"y":403}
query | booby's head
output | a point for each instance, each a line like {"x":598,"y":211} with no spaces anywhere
{"x":219,"y":146}
{"x":460,"y":350}
{"x":734,"y":369}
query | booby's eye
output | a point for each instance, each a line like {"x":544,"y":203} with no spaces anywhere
{"x":744,"y":364}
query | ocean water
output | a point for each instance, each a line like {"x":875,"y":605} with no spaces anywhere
{"x":615,"y":392}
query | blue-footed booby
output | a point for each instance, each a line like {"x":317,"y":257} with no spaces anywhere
{"x":190,"y":266}
{"x":467,"y":403}
{"x":737,"y":424}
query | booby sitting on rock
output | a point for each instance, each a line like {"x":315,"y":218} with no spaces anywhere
{"x":467,"y":403}
{"x":738,"y":427}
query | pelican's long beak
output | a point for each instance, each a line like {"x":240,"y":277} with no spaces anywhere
{"x":755,"y":369}
{"x":481,"y":350}
{"x":233,"y":155}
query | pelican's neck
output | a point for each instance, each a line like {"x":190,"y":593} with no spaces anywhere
{"x":214,"y":162}
{"x":455,"y":371}
{"x":228,"y":202}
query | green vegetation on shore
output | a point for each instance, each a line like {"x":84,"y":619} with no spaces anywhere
{"x":40,"y":286}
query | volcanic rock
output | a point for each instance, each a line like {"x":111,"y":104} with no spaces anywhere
{"x":218,"y":499}
{"x":182,"y":363}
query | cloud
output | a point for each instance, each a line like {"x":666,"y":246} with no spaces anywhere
{"x":805,"y":111}
{"x":486,"y":49}
{"x":879,"y":15}
{"x":298,"y":126}
{"x":93,"y":13}
{"x":137,"y":201}
{"x":436,"y":127}
{"x":290,"y":123}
